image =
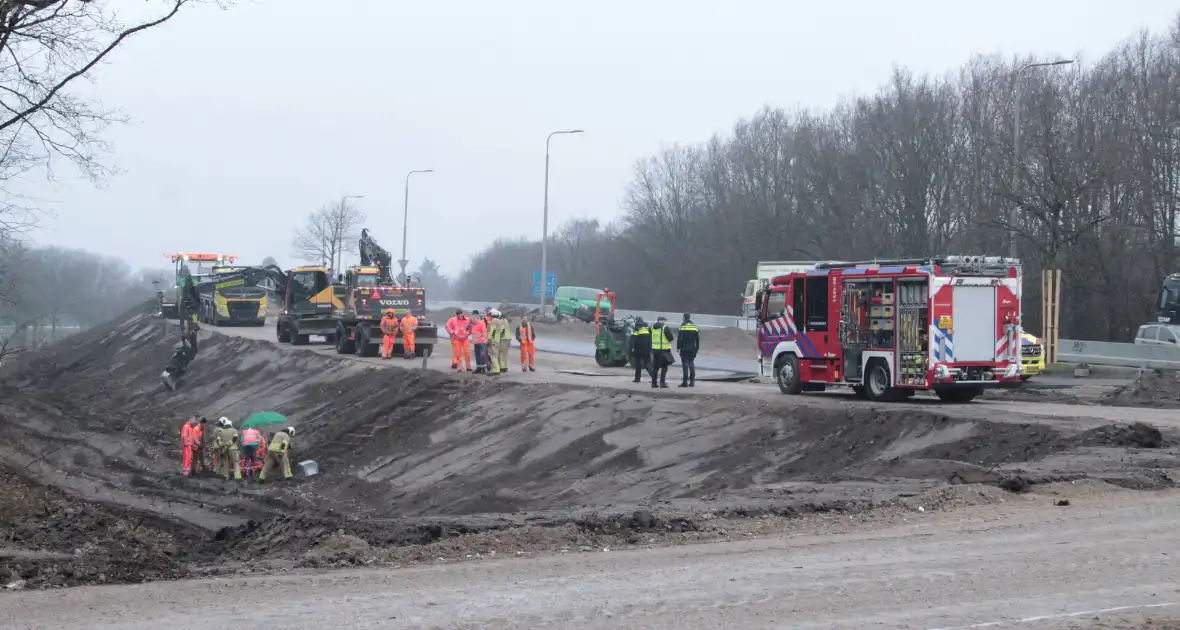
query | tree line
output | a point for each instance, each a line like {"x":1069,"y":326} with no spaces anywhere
{"x":46,"y":48}
{"x":331,"y":235}
{"x":924,"y":167}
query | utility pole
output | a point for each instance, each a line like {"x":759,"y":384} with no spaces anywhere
{"x":403,"y":279}
{"x":545,"y":222}
{"x":1012,"y":213}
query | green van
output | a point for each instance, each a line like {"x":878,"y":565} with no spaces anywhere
{"x":578,"y":303}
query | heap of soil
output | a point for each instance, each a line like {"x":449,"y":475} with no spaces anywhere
{"x":48,"y":538}
{"x":1153,"y":388}
{"x":416,"y":462}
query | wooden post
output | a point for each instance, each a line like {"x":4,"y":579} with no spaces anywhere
{"x":1051,"y":312}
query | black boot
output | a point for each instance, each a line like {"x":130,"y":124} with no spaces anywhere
{"x":683,"y":384}
{"x":654,"y":386}
{"x":692,"y":383}
{"x":663,"y":385}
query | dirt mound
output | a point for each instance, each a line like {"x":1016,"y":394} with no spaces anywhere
{"x":48,"y":538}
{"x":1153,"y":388}
{"x":414,"y":460}
{"x":1135,"y":435}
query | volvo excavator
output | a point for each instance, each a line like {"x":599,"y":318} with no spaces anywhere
{"x":309,"y":306}
{"x":368,"y":290}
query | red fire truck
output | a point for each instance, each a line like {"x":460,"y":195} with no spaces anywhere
{"x":888,"y":328}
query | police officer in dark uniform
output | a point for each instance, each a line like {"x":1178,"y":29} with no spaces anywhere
{"x":641,"y":348}
{"x":688,"y":343}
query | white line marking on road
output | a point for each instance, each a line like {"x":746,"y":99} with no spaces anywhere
{"x":1082,"y":613}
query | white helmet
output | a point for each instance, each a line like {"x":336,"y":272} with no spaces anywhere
{"x":291,"y":431}
{"x":223,"y":421}
{"x":495,"y":312}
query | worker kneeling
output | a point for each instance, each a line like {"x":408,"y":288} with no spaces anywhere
{"x":409,"y":328}
{"x":225,"y":445}
{"x":276,"y":454}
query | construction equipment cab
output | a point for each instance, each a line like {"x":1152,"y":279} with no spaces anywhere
{"x":766,"y":270}
{"x":367,"y":291}
{"x":200,"y":266}
{"x":889,"y":328}
{"x":310,"y":303}
{"x":238,"y":294}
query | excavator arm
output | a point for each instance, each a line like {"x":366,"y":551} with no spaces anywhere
{"x":373,"y":255}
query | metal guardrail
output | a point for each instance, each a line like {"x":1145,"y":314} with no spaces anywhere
{"x":703,"y":320}
{"x":1118,"y":354}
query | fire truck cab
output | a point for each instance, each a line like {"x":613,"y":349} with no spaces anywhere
{"x":888,"y":328}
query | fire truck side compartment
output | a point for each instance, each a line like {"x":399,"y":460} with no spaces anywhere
{"x":974,"y":319}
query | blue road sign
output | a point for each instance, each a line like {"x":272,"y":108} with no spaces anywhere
{"x":550,"y":284}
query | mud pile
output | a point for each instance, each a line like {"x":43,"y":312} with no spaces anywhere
{"x":413,"y":462}
{"x":1153,"y":388}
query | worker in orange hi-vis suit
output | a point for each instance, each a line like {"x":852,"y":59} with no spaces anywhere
{"x":188,"y":441}
{"x":459,"y":329}
{"x":389,"y":326}
{"x":528,"y":345}
{"x":409,"y":328}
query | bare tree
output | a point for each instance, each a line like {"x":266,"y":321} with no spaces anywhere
{"x":923,"y":167}
{"x":328,"y":232}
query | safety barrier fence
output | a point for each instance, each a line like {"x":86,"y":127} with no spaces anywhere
{"x":1164,"y":357}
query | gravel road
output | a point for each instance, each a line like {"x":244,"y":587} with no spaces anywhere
{"x":1107,"y":559}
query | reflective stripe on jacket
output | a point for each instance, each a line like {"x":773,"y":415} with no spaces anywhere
{"x":458,"y":328}
{"x":281,"y":443}
{"x":389,"y":325}
{"x":498,"y":331}
{"x":525,"y":332}
{"x":409,"y":324}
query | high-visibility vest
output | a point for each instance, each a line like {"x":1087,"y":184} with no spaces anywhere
{"x":479,"y":332}
{"x":659,"y":339}
{"x":525,"y":333}
{"x":389,"y":325}
{"x":690,"y":327}
{"x":251,"y":437}
{"x":188,"y":436}
{"x":409,"y":324}
{"x":641,"y":332}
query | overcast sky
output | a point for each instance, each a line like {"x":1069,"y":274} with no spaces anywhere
{"x":244,"y":121}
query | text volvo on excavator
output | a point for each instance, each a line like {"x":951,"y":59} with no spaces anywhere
{"x":368,"y":291}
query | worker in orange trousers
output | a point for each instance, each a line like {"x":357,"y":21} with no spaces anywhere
{"x":189,"y":440}
{"x":409,"y":328}
{"x":459,"y":329}
{"x":389,"y":326}
{"x":527,"y":337}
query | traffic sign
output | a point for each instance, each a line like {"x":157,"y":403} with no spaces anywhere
{"x":550,"y":284}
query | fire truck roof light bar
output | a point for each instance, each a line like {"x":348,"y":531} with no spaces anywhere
{"x":946,"y":260}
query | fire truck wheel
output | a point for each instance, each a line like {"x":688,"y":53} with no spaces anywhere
{"x":879,"y":388}
{"x":958,"y":394}
{"x":786,"y":372}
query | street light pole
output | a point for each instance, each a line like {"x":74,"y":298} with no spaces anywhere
{"x":339,"y":238}
{"x":405,"y":224}
{"x":1016,"y":148}
{"x":545,"y":222}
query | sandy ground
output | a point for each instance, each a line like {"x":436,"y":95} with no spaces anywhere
{"x":1105,"y":561}
{"x":424,"y":467}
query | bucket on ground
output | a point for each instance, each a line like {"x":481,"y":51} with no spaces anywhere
{"x":308,"y":467}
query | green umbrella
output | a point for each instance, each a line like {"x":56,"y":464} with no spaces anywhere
{"x":263,"y":419}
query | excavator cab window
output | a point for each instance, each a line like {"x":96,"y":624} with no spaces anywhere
{"x":366,"y":280}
